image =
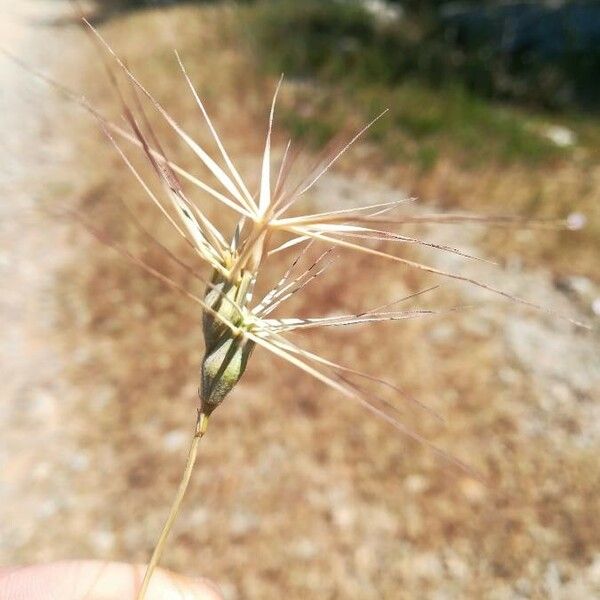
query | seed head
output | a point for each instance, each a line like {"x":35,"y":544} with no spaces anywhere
{"x":226,"y":350}
{"x":233,"y":325}
{"x":222,"y":368}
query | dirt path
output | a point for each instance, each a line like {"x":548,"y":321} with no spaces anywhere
{"x":33,"y":247}
{"x":558,"y":360}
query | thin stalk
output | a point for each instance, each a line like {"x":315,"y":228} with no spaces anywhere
{"x":199,"y":431}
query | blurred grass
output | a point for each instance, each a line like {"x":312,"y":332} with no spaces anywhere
{"x":371,"y":42}
{"x":343,"y":44}
{"x":439,"y":142}
{"x":421,"y":122}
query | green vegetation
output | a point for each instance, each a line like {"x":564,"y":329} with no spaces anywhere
{"x":422,"y":122}
{"x":439,"y":141}
{"x":385,"y":65}
{"x":448,"y":92}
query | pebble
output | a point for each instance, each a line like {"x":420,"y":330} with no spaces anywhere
{"x":457,"y":567}
{"x":562,"y":137}
{"x":174,"y":440}
{"x":416,"y":484}
{"x":242,"y":523}
{"x":552,"y":581}
{"x":304,"y":549}
{"x":427,"y":565}
{"x":79,"y":461}
{"x":344,"y":516}
{"x":593,"y":571}
{"x":576,"y":221}
{"x":442,"y":334}
{"x":103,"y":540}
{"x":473,"y":491}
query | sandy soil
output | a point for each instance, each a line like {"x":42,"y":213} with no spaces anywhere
{"x":34,"y":246}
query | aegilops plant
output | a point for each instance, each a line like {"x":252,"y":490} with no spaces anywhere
{"x":234,"y":323}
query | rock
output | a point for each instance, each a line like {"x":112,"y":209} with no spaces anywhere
{"x":343,"y":516}
{"x":442,"y":333}
{"x":103,"y":540}
{"x":175,"y":440}
{"x":576,"y":221}
{"x":383,"y":12}
{"x":593,"y":572}
{"x":560,"y":136}
{"x":242,"y":523}
{"x":473,"y":491}
{"x":416,"y":484}
{"x":427,"y":565}
{"x":304,"y":549}
{"x":456,"y":566}
{"x":553,"y":355}
{"x":79,"y":461}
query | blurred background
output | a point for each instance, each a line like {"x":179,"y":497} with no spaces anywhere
{"x":493,"y":108}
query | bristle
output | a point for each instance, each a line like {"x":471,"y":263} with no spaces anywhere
{"x":249,"y":201}
{"x":236,"y":265}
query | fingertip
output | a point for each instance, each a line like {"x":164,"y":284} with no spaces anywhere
{"x":94,"y":580}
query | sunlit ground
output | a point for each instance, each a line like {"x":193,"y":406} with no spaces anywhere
{"x":298,"y":493}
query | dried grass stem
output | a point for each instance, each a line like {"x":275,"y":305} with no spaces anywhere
{"x":199,"y":431}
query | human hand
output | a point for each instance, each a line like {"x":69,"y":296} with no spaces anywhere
{"x":96,"y":580}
